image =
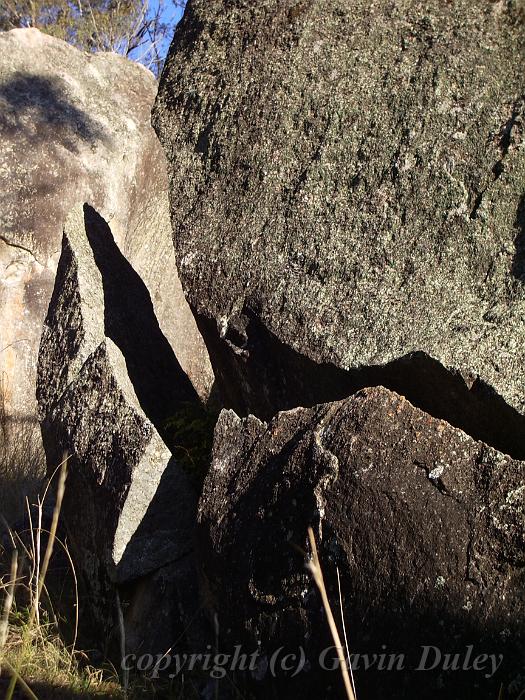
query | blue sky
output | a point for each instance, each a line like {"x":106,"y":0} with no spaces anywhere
{"x":170,"y":14}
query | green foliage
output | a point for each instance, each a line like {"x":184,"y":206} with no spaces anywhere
{"x":190,"y":433}
{"x":54,"y":670}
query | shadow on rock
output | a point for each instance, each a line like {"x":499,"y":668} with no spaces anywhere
{"x":161,"y":384}
{"x":518,"y":264}
{"x":37,"y":108}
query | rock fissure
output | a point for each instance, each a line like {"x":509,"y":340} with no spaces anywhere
{"x":21,"y":247}
{"x":269,"y":376}
{"x":433,"y":475}
{"x":329,"y":476}
{"x":132,"y":513}
{"x":504,"y":140}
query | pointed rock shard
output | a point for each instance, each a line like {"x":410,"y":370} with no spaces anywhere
{"x":89,"y":408}
{"x":118,"y":461}
{"x":74,"y":326}
{"x":76,"y":127}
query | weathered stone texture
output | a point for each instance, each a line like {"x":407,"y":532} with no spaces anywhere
{"x":129,"y":510}
{"x":76,"y":127}
{"x":348,"y":179}
{"x":425,"y":525}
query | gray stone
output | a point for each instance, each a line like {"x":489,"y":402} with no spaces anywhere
{"x":76,"y":127}
{"x":347,"y":189}
{"x":129,"y":509}
{"x":425,"y":525}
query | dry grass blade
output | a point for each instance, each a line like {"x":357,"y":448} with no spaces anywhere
{"x":317,"y":573}
{"x":16,"y":678}
{"x":52,"y":535}
{"x":3,"y":412}
{"x":9,"y":598}
{"x":75,"y":582}
{"x":4,"y":628}
{"x":38,"y":557}
{"x":344,"y":630}
{"x":122,"y":630}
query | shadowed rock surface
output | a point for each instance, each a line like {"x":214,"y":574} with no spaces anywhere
{"x":424,"y":524}
{"x":129,"y":510}
{"x":346,"y":191}
{"x":76,"y":127}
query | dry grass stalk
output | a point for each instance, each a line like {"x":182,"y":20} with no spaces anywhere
{"x":4,"y":629}
{"x":9,"y":598}
{"x":315,"y":569}
{"x":52,"y":536}
{"x":16,"y":678}
{"x":347,"y":648}
{"x":122,"y":630}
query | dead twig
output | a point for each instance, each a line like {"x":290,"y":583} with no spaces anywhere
{"x":315,"y":569}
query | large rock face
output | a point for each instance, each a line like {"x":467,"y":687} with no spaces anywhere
{"x":347,"y":189}
{"x":76,"y":127}
{"x":425,"y":525}
{"x":129,"y":509}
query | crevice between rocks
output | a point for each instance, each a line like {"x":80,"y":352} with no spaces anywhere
{"x":161,"y":385}
{"x":265,"y":376}
{"x":138,"y":502}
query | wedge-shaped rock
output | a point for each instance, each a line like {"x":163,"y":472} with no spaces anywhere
{"x":129,"y":510}
{"x":76,"y":127}
{"x":117,"y":457}
{"x":425,"y":525}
